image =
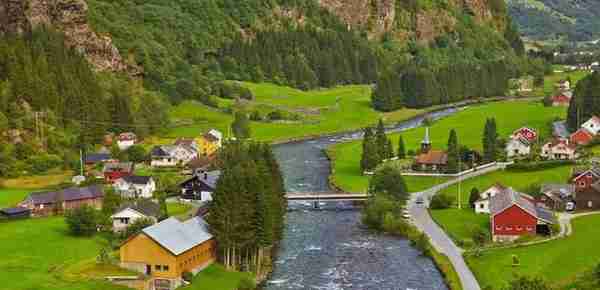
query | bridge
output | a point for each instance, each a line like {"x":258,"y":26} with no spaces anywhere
{"x":333,"y":196}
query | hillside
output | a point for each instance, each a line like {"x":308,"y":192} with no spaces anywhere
{"x":573,"y":20}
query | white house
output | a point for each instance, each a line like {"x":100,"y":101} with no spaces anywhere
{"x":134,"y":186}
{"x":518,"y":147}
{"x":217,"y":134}
{"x":482,"y":205}
{"x":592,"y":125}
{"x":126,"y":140}
{"x":129,"y":213}
{"x":559,"y":149}
{"x":172,"y":155}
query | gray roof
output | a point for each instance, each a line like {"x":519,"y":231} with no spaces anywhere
{"x":211,"y":178}
{"x":69,"y":194}
{"x":178,"y":237}
{"x":562,"y":189}
{"x":559,"y":129}
{"x":507,"y":198}
{"x":545,"y":215}
{"x":136,"y":179}
{"x":122,"y":166}
{"x":143,"y":206}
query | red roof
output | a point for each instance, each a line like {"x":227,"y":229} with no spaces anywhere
{"x":433,"y":157}
{"x":581,"y":137}
{"x":561,"y":98}
{"x":525,"y":132}
{"x":127,"y":136}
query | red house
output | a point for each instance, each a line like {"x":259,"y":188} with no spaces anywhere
{"x":561,"y":100}
{"x":526,"y":133}
{"x":583,"y":180}
{"x":514,"y":215}
{"x":115,"y":170}
{"x":581,"y":137}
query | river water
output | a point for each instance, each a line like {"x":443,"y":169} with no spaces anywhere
{"x":328,"y":248}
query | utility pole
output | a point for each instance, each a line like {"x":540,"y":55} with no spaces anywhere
{"x":81,"y":161}
{"x":459,"y":181}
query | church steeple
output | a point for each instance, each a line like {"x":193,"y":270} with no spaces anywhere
{"x":426,"y":143}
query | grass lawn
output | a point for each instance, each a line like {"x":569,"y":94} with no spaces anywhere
{"x":35,"y":252}
{"x":559,"y":261}
{"x":323,"y":111}
{"x":460,"y":223}
{"x":11,"y":196}
{"x":469,"y":126}
{"x":37,"y":181}
{"x":216,"y":277}
{"x":178,"y":209}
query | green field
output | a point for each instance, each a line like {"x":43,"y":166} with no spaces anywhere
{"x":322,"y":111}
{"x":11,"y":196}
{"x":510,"y":115}
{"x":460,"y":223}
{"x":35,"y":252}
{"x":216,"y":277}
{"x":550,"y":81}
{"x":559,"y":261}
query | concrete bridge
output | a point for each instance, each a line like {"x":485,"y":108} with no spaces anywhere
{"x":333,"y":196}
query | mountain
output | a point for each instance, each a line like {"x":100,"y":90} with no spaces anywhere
{"x":571,"y":20}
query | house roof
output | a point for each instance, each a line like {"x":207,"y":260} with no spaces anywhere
{"x":433,"y":157}
{"x":562,"y":142}
{"x":561,"y":188}
{"x":545,"y":215}
{"x":118,"y":166}
{"x":525,"y":133}
{"x":208,"y":178}
{"x":501,"y":202}
{"x":185,"y":141}
{"x":69,"y":194}
{"x":158,"y":151}
{"x":96,"y":157}
{"x":178,"y":237}
{"x":143,"y":206}
{"x":559,"y":129}
{"x":581,"y":136}
{"x":126,"y":136}
{"x":14,"y":210}
{"x":201,"y":162}
{"x":210,"y":137}
{"x":136,"y":179}
{"x":561,"y":98}
{"x":594,"y":171}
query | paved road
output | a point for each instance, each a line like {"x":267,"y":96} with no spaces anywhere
{"x":439,"y":239}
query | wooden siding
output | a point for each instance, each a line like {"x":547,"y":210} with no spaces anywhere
{"x":514,"y":221}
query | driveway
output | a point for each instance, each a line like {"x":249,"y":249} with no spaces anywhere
{"x":439,"y":239}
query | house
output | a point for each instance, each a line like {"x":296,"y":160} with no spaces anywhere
{"x":126,"y":140}
{"x":171,"y":155}
{"x":15,"y":212}
{"x":561,"y":100}
{"x":200,"y":186}
{"x":526,"y":133}
{"x":582,"y":180}
{"x":517,"y":147}
{"x":428,"y":159}
{"x":166,"y":250}
{"x":556,"y":197}
{"x":115,"y":170}
{"x":210,"y":142}
{"x":130,"y":212}
{"x":581,"y":137}
{"x":592,"y":125}
{"x":134,"y":186}
{"x":95,"y":158}
{"x":44,"y":203}
{"x":513,"y":215}
{"x":201,"y":164}
{"x":564,"y":85}
{"x":559,"y":130}
{"x":188,"y":142}
{"x":588,"y":198}
{"x":482,"y":205}
{"x":559,"y":149}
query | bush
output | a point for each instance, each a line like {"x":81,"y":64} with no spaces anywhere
{"x":539,"y":165}
{"x":136,"y":227}
{"x":82,"y":221}
{"x":389,"y":179}
{"x":256,"y":116}
{"x":275,"y":115}
{"x":44,"y":162}
{"x":187,"y":276}
{"x":137,"y":153}
{"x":597,"y":273}
{"x":246,"y":284}
{"x":441,"y":201}
{"x":479,"y":235}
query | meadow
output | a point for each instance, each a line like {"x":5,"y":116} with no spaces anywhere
{"x":560,"y":262}
{"x":469,"y":124}
{"x":322,"y":111}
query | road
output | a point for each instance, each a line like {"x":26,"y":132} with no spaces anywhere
{"x":439,"y":239}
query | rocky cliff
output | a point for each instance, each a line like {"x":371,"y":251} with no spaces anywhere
{"x":69,"y":16}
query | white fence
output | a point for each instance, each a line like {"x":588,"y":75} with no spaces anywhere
{"x":499,"y":164}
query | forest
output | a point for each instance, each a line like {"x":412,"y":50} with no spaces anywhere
{"x":586,"y":102}
{"x":52,"y":104}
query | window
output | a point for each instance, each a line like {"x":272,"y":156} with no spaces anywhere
{"x":124,"y":220}
{"x":498,"y":228}
{"x":165,"y":268}
{"x":590,"y":204}
{"x":519,"y":228}
{"x":157,"y":267}
{"x":581,"y":183}
{"x":509,"y":228}
{"x":481,"y":205}
{"x":529,"y":229}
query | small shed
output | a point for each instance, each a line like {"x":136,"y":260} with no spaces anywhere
{"x":15,"y":212}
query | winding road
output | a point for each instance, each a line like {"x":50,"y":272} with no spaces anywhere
{"x":439,"y":239}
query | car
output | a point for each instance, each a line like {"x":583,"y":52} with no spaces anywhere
{"x":406,"y":216}
{"x":420,"y":200}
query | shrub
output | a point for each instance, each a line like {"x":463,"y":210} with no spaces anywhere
{"x":540,"y":165}
{"x":82,"y":221}
{"x":597,"y":273}
{"x":187,"y":276}
{"x":256,"y":116}
{"x":137,"y":153}
{"x":246,"y":284}
{"x":479,"y":235}
{"x":441,"y":201}
{"x":44,"y":162}
{"x":275,"y":115}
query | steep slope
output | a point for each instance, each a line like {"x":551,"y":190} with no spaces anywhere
{"x":573,"y":20}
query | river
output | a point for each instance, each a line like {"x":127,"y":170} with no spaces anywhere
{"x":328,"y":248}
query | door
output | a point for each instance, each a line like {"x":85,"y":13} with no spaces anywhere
{"x":148,"y":269}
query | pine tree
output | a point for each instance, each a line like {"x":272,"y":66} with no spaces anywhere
{"x":490,"y":141}
{"x":453,"y":153}
{"x":241,"y":126}
{"x":385,"y":151}
{"x":401,"y":149}
{"x":370,"y":153}
{"x":474,"y":196}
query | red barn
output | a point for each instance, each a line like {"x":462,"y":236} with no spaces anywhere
{"x":514,"y":215}
{"x":526,"y":133}
{"x":583,"y":180}
{"x":115,"y":170}
{"x":581,"y":137}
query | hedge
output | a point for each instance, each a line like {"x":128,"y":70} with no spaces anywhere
{"x":538,"y":165}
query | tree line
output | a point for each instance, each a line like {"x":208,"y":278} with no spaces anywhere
{"x":246,"y":215}
{"x":585,"y":102}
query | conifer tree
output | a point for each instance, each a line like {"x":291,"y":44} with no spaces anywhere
{"x":241,"y":126}
{"x":370,"y":153}
{"x":453,"y":153}
{"x":401,"y":149}
{"x":385,"y":151}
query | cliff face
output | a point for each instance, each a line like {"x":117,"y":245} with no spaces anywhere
{"x":69,"y":16}
{"x":391,"y":16}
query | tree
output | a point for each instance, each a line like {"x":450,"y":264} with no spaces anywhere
{"x":82,"y":221}
{"x":453,"y":153}
{"x":441,"y":201}
{"x":389,"y":180}
{"x":370,"y":154}
{"x":597,"y":273}
{"x":401,"y":149}
{"x":479,"y":236}
{"x":162,"y":202}
{"x":490,"y":141}
{"x":111,"y":201}
{"x":384,"y":147}
{"x":241,"y":126}
{"x":136,"y":153}
{"x":474,"y":196}
{"x":136,"y":227}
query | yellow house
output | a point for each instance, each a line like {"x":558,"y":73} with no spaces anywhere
{"x":168,"y":249}
{"x":210,"y":142}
